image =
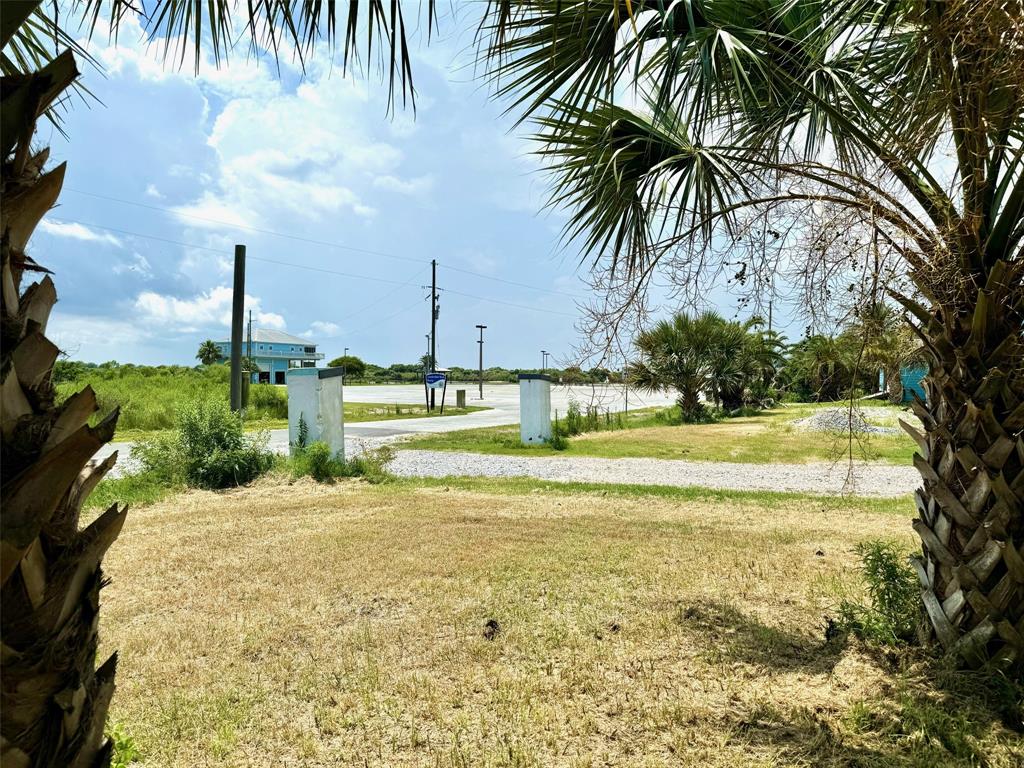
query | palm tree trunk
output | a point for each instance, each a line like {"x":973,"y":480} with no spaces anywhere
{"x":971,"y":504}
{"x":689,"y":404}
{"x":894,"y":384}
{"x":53,"y":702}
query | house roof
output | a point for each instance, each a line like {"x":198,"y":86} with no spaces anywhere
{"x":268,"y":336}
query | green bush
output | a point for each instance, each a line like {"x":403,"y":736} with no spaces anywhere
{"x":892,"y":613}
{"x":573,"y":420}
{"x":148,"y":396}
{"x":267,"y":401}
{"x":559,"y":434}
{"x":124,"y":751}
{"x":316,"y":461}
{"x":372,"y":465}
{"x":208,"y":449}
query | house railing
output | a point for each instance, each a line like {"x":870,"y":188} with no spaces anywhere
{"x":280,"y":354}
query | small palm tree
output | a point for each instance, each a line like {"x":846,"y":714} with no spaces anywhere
{"x":765,"y":353}
{"x":822,"y":367}
{"x":697,"y":355}
{"x":209,"y":352}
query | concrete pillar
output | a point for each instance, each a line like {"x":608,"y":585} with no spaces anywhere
{"x":534,"y":408}
{"x":315,"y":395}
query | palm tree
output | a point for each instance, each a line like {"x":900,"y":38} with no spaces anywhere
{"x":902,"y":121}
{"x":765,"y":353}
{"x":888,"y":344}
{"x":695,"y":355}
{"x":822,"y":367}
{"x":209,"y":353}
{"x":54,"y":698}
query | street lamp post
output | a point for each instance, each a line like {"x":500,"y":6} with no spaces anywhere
{"x":481,"y":343}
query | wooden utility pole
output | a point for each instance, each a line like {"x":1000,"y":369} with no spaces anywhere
{"x":481,"y":343}
{"x":433,"y":323}
{"x":237,"y":311}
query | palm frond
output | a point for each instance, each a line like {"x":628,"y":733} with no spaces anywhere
{"x":624,"y":173}
{"x":186,"y":29}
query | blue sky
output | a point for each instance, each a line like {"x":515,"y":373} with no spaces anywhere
{"x":170,"y":170}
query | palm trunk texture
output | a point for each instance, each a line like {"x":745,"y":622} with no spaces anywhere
{"x":971,"y":504}
{"x":54,"y":700}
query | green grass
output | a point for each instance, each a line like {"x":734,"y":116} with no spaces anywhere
{"x":142,"y":489}
{"x":520,"y":486}
{"x":767,"y":437}
{"x":149,"y":398}
{"x":135,"y":490}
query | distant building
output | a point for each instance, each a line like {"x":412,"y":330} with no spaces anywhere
{"x":274,"y":352}
{"x":912,"y":379}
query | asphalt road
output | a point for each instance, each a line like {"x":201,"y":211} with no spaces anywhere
{"x":501,"y":399}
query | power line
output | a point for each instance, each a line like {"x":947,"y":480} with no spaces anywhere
{"x":247,"y":227}
{"x":412,"y":282}
{"x":378,"y":321}
{"x":313,"y":241}
{"x":229,"y":253}
{"x":306,"y":266}
{"x":511,"y":282}
{"x":508,"y":303}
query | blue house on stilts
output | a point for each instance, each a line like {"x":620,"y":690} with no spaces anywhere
{"x":274,"y":352}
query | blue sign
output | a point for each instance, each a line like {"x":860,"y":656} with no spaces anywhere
{"x":435,"y":381}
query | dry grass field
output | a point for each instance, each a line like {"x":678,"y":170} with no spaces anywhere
{"x":347,"y":624}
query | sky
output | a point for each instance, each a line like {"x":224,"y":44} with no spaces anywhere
{"x":341,"y":207}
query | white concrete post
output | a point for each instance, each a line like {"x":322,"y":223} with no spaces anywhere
{"x":534,"y":408}
{"x":316,"y":396}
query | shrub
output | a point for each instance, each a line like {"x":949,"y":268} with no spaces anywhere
{"x":208,"y":449}
{"x":123,"y":748}
{"x":160,"y":459}
{"x":892,"y":613}
{"x":317,"y":461}
{"x":559,"y":434}
{"x":573,"y":420}
{"x":372,"y":465}
{"x":267,"y":401}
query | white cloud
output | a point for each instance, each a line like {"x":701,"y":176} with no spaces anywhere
{"x":243,"y":76}
{"x":211,"y":211}
{"x":152,"y":191}
{"x":210,"y":308}
{"x":405,"y":186}
{"x":138,"y":265}
{"x":269,"y":320}
{"x":308,"y":154}
{"x":77,"y":232}
{"x":102,"y":338}
{"x":323,"y":329}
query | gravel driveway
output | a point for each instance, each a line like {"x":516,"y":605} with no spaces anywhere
{"x":826,"y":478}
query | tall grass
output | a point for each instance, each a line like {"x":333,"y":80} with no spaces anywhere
{"x":150,"y":397}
